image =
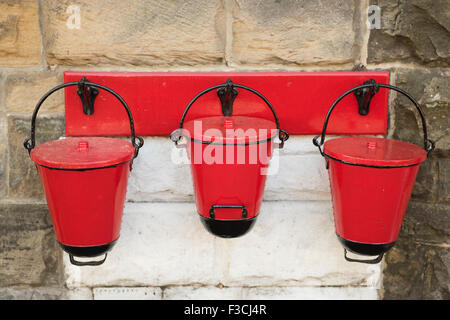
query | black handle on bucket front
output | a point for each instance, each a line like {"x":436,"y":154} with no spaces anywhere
{"x":86,"y":263}
{"x":227,"y":206}
{"x":29,"y":143}
{"x":283,"y":135}
{"x":427,"y":143}
{"x":372,"y":261}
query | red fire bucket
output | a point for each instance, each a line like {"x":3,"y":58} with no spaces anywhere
{"x":85,"y":182}
{"x":371,"y":182}
{"x":229,"y":158}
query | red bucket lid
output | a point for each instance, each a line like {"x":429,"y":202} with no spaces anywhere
{"x":82,"y":153}
{"x":230,"y":130}
{"x":374,"y":151}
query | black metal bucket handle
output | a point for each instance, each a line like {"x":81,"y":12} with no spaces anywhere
{"x":29,"y":143}
{"x":283,"y":135}
{"x":86,"y":263}
{"x":227,"y":206}
{"x":427,"y":143}
{"x":372,"y":261}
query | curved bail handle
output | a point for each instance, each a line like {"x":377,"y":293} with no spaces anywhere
{"x":176,"y":135}
{"x":30,"y":143}
{"x":212,"y":215}
{"x":86,"y":263}
{"x":427,"y":143}
{"x":372,"y":261}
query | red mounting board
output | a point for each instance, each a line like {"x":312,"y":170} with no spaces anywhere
{"x":157,"y":101}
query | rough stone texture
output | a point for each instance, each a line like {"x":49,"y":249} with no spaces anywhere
{"x":3,"y":156}
{"x":127,"y":293}
{"x":145,"y":33}
{"x":432,"y":183}
{"x":202,"y":293}
{"x":430,"y":88}
{"x":417,"y":271}
{"x":270,"y":293}
{"x":29,"y":254}
{"x":283,"y":249}
{"x":412,"y":31}
{"x":428,"y":222}
{"x":312,"y":293}
{"x":294,"y":32}
{"x":418,"y":266}
{"x":24,"y":181}
{"x":24,"y":90}
{"x":20,"y":36}
{"x":173,"y":182}
{"x":44,"y":293}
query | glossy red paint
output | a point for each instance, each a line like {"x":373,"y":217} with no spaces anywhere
{"x":235,"y":129}
{"x":375,"y":151}
{"x":157,"y":100}
{"x":232,"y":174}
{"x":82,"y":153}
{"x":85,"y":182}
{"x":369,"y":203}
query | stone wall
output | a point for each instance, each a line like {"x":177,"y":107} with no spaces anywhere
{"x":164,"y":253}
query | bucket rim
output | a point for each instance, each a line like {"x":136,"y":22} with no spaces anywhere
{"x":371,"y":165}
{"x":260,"y":123}
{"x":415,"y":157}
{"x":230,"y":143}
{"x":82,"y":169}
{"x":61,"y":154}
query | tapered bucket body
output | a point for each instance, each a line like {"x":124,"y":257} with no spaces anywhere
{"x":229,"y":166}
{"x":85,"y":183}
{"x":371,"y":181}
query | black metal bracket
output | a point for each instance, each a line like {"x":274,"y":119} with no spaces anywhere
{"x":227,"y":95}
{"x":365,"y":95}
{"x":87,"y":95}
{"x":227,"y":206}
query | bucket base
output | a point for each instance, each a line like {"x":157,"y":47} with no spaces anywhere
{"x":88,"y":252}
{"x":366,"y":249}
{"x":228,"y":228}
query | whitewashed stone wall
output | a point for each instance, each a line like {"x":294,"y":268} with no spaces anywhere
{"x":164,"y":252}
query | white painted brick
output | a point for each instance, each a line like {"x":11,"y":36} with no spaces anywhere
{"x":127,"y":293}
{"x":311,"y":293}
{"x":293,"y":243}
{"x":160,"y":244}
{"x":202,"y":293}
{"x":270,"y":293}
{"x":300,"y":177}
{"x":155,"y":177}
{"x":79,"y":294}
{"x":301,"y":173}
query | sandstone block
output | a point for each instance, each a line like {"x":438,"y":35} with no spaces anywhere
{"x":20,"y":35}
{"x":146,"y":33}
{"x":294,"y":32}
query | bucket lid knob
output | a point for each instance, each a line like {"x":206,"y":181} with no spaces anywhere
{"x":371,"y":145}
{"x":228,"y":124}
{"x":83,"y":146}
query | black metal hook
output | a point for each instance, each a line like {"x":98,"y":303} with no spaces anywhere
{"x":428,"y":144}
{"x":227,"y":95}
{"x":87,"y":95}
{"x":365,"y":95}
{"x":30,"y":142}
{"x":176,"y":135}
